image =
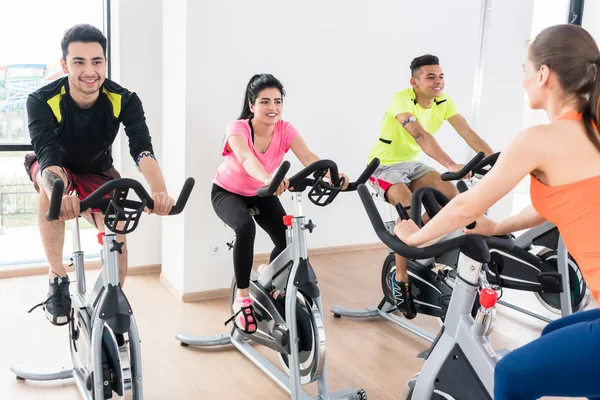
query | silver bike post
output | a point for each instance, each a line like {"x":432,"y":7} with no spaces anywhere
{"x":461,"y":302}
{"x":298,"y":205}
{"x":562,"y":263}
{"x":111,"y":258}
{"x":78,"y":257}
{"x":323,"y":381}
{"x":136,"y":360}
{"x":464,"y":292}
{"x":290,"y":303}
{"x":98,"y":381}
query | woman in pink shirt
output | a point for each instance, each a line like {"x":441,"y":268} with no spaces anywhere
{"x":254,"y":148}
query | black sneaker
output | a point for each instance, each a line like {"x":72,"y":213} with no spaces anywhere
{"x":404,"y":300}
{"x":58,"y":304}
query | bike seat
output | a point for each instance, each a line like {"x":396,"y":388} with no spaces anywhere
{"x":253,"y":211}
{"x":427,"y":263}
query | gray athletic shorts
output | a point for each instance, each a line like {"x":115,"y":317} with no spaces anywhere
{"x":404,"y":172}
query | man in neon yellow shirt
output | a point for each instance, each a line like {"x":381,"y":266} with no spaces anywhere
{"x":410,"y":121}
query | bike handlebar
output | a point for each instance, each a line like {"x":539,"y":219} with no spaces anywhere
{"x":275,"y":182}
{"x":97,"y":199}
{"x":488,"y":161}
{"x":301,"y":179}
{"x":464,"y":171}
{"x":476,"y":165}
{"x":475,"y":246}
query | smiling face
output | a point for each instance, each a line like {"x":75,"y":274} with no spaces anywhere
{"x":268,"y":106}
{"x":429,"y":81}
{"x":85,"y":65}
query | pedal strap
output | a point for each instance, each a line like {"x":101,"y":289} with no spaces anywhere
{"x":247,"y":312}
{"x":43,"y":303}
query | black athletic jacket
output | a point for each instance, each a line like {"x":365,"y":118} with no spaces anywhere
{"x":63,"y":134}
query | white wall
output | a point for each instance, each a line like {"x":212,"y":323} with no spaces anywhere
{"x":545,"y":13}
{"x":339,"y":69}
{"x":591,"y":18}
{"x":174,"y":103}
{"x":501,"y":112}
{"x":136,"y":65}
{"x":340,"y":63}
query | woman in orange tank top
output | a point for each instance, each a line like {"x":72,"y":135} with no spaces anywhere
{"x":561,"y":76}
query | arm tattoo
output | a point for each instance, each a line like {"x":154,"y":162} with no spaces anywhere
{"x":48,"y":178}
{"x":142,"y":155}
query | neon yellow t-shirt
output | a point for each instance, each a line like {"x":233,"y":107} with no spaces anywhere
{"x":395,"y":143}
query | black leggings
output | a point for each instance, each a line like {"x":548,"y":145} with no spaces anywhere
{"x":233,"y":210}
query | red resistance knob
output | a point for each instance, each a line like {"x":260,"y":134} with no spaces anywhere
{"x":101,"y":238}
{"x":287,"y":220}
{"x":488,"y":298}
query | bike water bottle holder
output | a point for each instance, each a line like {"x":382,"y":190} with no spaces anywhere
{"x":322,"y":193}
{"x":117,"y":212}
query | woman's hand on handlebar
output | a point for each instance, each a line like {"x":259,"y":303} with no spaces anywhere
{"x":458,"y":167}
{"x":341,"y":176}
{"x":405,"y":229}
{"x":484,"y":226}
{"x":163,"y":204}
{"x":283,"y":186}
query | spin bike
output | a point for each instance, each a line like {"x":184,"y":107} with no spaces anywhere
{"x":431,"y":289}
{"x":539,"y":262}
{"x":103,"y":363}
{"x":460,"y":363}
{"x":291,"y":323}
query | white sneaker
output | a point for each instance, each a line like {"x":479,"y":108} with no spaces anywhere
{"x":261,"y":268}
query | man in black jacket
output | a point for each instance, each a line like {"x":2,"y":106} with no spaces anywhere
{"x":73,"y":122}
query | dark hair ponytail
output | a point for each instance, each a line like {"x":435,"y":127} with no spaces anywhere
{"x":590,"y":105}
{"x":256,"y":85}
{"x":571,"y":52}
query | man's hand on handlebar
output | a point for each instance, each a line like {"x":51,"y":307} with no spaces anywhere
{"x":458,"y":167}
{"x":70,"y":207}
{"x":163,"y":204}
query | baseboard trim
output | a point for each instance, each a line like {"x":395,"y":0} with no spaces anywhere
{"x":264,"y":257}
{"x":89,"y":266}
{"x":205,"y":295}
{"x":145,"y":269}
{"x":41,"y":270}
{"x":193,"y":296}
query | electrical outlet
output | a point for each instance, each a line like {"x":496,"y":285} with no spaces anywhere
{"x":218,"y":248}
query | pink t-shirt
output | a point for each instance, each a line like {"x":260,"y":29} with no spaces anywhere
{"x":232,"y":176}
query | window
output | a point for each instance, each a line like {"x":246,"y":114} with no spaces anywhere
{"x":30,"y":59}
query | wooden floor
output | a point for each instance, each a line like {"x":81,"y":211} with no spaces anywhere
{"x":375,"y":355}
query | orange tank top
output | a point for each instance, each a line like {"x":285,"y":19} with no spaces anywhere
{"x":575,"y":209}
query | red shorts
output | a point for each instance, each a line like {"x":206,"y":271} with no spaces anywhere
{"x":80,"y":184}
